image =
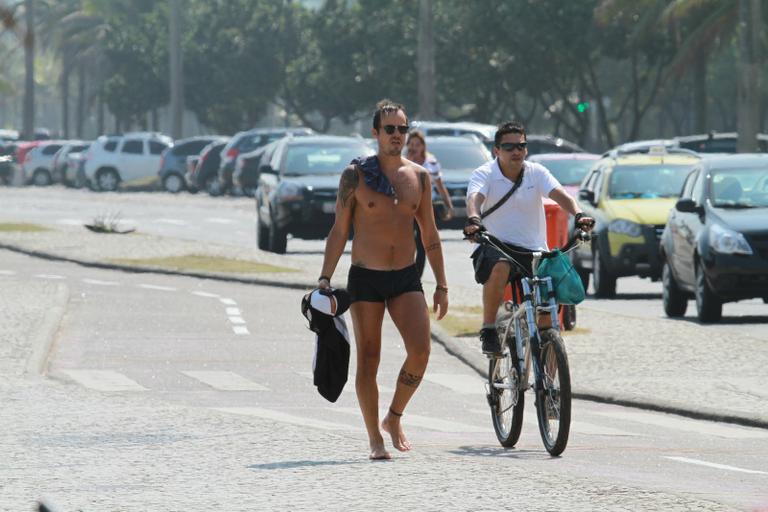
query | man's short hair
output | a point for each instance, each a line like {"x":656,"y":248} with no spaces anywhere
{"x":509,"y":127}
{"x":385,"y":106}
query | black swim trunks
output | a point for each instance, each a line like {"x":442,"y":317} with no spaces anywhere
{"x":368,"y":285}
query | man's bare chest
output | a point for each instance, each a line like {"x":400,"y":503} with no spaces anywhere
{"x":408,"y":191}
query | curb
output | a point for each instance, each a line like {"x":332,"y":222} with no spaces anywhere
{"x":473,"y":359}
{"x":479,"y":363}
{"x":44,"y":336}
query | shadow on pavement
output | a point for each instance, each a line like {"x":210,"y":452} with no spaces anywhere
{"x":728,"y":320}
{"x":507,"y":453}
{"x":292,"y":464}
{"x":628,"y":296}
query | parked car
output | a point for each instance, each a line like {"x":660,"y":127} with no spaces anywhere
{"x":173,"y":161}
{"x":244,"y":142}
{"x":629,"y":196}
{"x":458,"y":157}
{"x":61,"y":160}
{"x":246,"y":175}
{"x":567,"y":168}
{"x":38,"y":163}
{"x":715,"y":142}
{"x":298,"y":185}
{"x":715,"y":245}
{"x":643,"y":146}
{"x":487,"y":132}
{"x":132,"y":158}
{"x":7,"y":162}
{"x":205,"y":174}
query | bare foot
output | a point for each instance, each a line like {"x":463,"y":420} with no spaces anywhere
{"x":391,"y":425}
{"x":378,"y":452}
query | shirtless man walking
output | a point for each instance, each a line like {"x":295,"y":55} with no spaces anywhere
{"x":380,"y":196}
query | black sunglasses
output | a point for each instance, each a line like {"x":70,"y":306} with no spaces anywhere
{"x":511,"y":146}
{"x":390,"y":128}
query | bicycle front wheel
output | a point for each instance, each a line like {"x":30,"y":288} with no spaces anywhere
{"x":553,"y":400}
{"x":506,"y":396}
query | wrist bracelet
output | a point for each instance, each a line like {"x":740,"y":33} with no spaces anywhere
{"x":324,"y":277}
{"x":441,"y":288}
{"x":577,"y":217}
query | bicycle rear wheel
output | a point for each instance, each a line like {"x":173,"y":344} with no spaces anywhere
{"x":553,"y":401}
{"x":506,"y":397}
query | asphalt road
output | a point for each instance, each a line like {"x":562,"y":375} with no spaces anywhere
{"x":238,"y":350}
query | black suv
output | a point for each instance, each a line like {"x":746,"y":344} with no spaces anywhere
{"x":297,"y":187}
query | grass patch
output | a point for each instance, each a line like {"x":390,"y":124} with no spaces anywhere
{"x":204,"y":264}
{"x":461,"y":320}
{"x":29,"y":228}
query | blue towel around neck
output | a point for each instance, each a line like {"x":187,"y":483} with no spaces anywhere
{"x":373,"y":175}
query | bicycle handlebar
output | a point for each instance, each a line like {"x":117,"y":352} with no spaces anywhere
{"x":483,"y":237}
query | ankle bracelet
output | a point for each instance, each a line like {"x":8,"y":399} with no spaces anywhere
{"x":393,"y":413}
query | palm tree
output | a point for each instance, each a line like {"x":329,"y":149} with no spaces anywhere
{"x":28,"y":125}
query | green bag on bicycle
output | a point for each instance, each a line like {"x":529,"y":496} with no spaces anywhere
{"x":565,"y":280}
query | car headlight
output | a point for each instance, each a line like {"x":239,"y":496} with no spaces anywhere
{"x":727,"y":241}
{"x":290,"y":192}
{"x":625,"y":227}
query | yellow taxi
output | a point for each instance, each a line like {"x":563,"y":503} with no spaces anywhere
{"x":629,"y":195}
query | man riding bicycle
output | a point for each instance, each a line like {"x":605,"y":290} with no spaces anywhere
{"x":505,"y":198}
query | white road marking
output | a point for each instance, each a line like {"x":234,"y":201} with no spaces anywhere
{"x":237,"y":320}
{"x":233,"y":311}
{"x":224,"y":380}
{"x":49,"y":276}
{"x":240,"y":329}
{"x":156,"y":287}
{"x":716,"y":466}
{"x":426,"y":422}
{"x":7,"y":273}
{"x":228,"y":302}
{"x":219,"y":220}
{"x":175,"y":222}
{"x":206,"y":294}
{"x":707,"y":428}
{"x":283,"y":417}
{"x":579,"y":427}
{"x":463,"y":384}
{"x":100,"y":283}
{"x":104,"y":380}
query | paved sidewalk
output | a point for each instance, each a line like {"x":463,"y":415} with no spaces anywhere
{"x":634,"y":361}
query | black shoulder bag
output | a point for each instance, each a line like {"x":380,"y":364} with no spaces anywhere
{"x":518,"y":182}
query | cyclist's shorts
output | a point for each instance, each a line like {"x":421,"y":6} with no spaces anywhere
{"x":381,"y":285}
{"x":486,"y":257}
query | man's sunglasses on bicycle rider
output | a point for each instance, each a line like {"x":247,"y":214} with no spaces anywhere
{"x":511,"y":146}
{"x":390,"y":128}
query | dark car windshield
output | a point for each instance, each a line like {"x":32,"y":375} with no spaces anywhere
{"x":647,"y":181}
{"x":739,"y":188}
{"x":568,"y":172}
{"x":458,"y":157}
{"x":329,"y":158}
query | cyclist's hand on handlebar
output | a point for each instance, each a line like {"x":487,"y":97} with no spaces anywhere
{"x":583,"y":222}
{"x":472,"y":226}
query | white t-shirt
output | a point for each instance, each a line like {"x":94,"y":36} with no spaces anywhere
{"x":520,"y":220}
{"x":433,"y":167}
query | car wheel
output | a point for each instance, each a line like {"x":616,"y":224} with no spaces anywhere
{"x":213,"y":186}
{"x":278,"y":239}
{"x":675,"y":301}
{"x":569,"y":317}
{"x":709,"y":308}
{"x":603,"y":282}
{"x":107,"y":180}
{"x":262,"y":235}
{"x":41,"y":178}
{"x":173,"y":183}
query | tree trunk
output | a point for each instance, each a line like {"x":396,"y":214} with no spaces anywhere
{"x":700,"y":120}
{"x":425,"y":59}
{"x":64,"y":83}
{"x":99,"y":115}
{"x":176,"y":71}
{"x":28,"y":127}
{"x":749,"y":83}
{"x":80,"y":112}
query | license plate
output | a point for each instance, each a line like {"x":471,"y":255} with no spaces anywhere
{"x":329,"y":207}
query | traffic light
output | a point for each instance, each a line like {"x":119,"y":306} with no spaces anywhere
{"x":582,"y":106}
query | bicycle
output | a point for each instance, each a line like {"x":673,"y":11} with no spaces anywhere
{"x":525,"y":347}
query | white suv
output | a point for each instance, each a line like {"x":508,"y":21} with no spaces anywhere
{"x":132,"y":158}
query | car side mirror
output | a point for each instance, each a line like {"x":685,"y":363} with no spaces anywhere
{"x":266,"y":169}
{"x":587,"y":195}
{"x":687,"y":205}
